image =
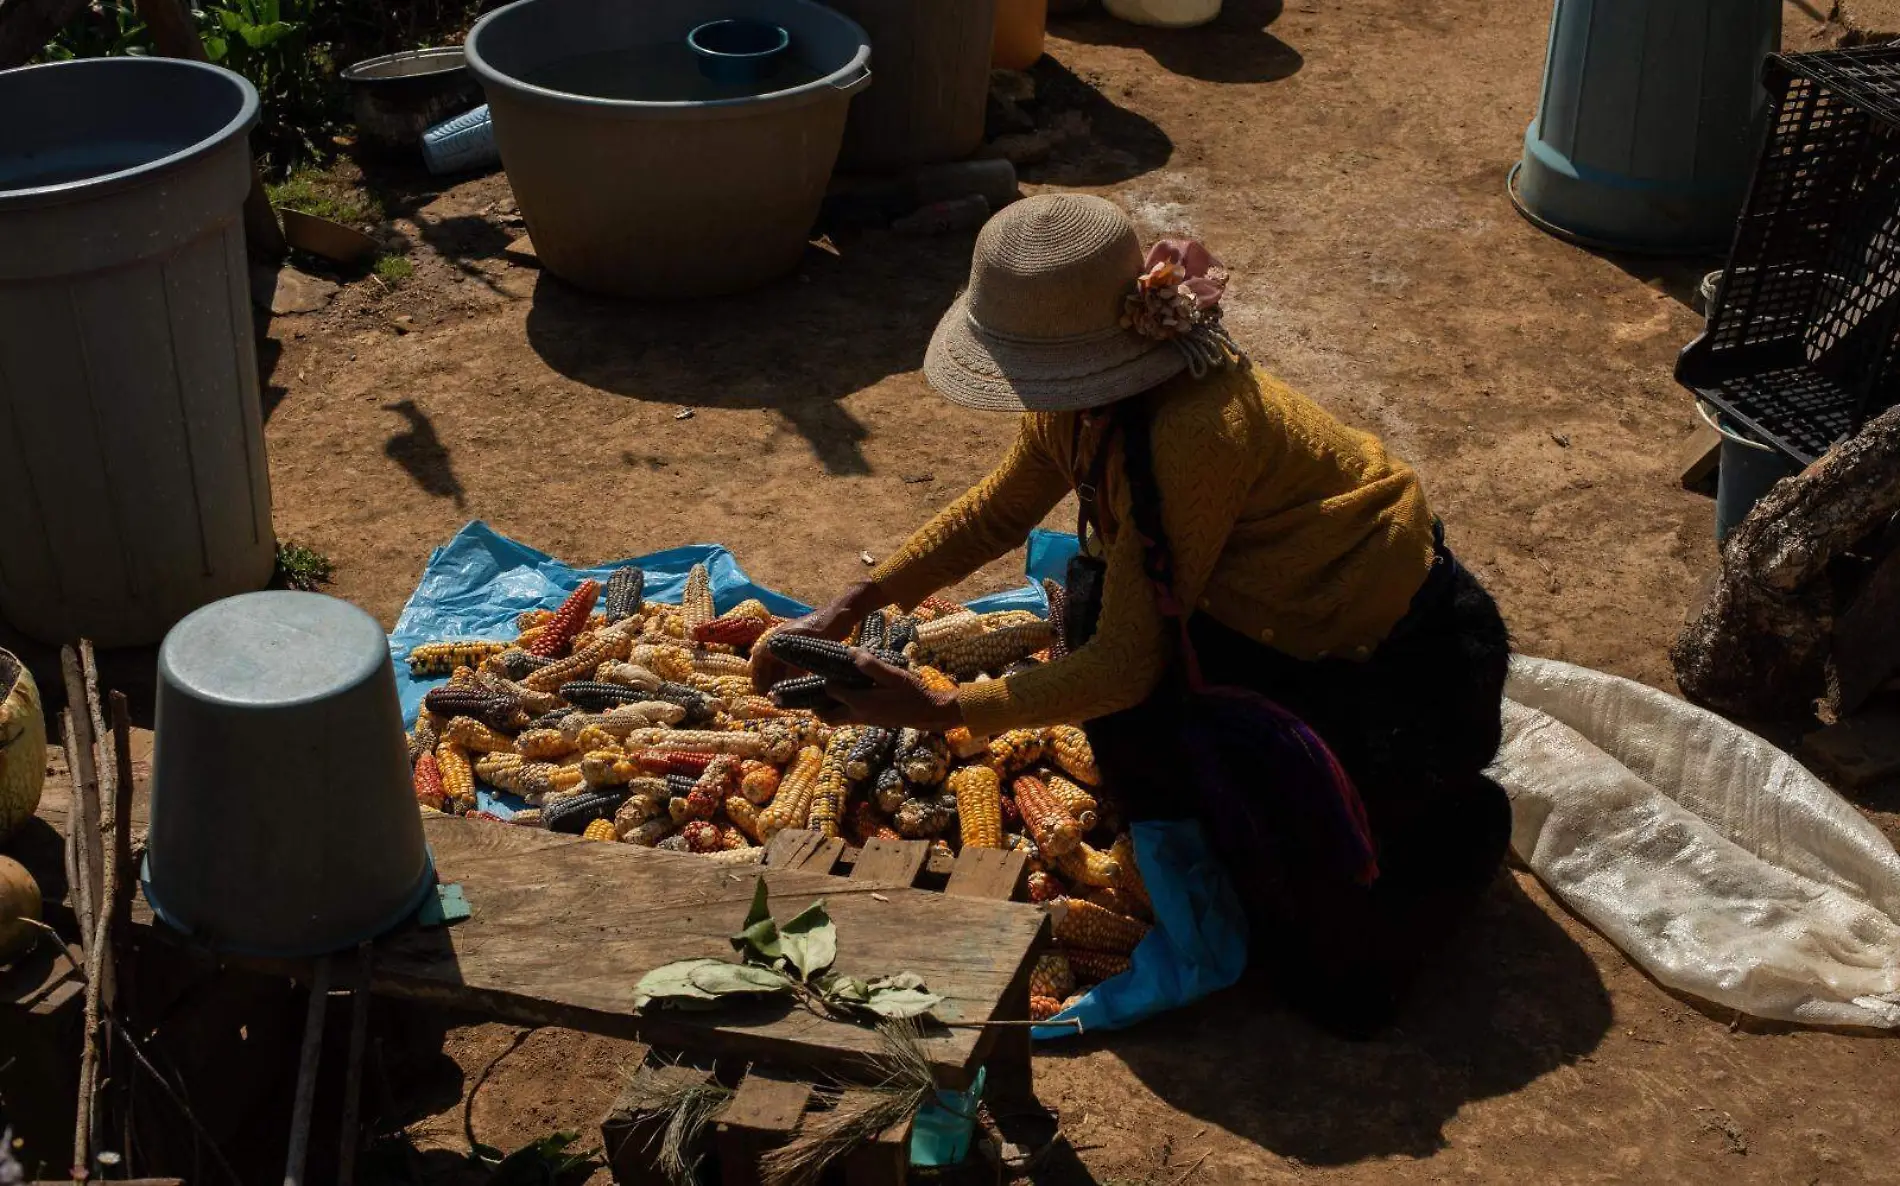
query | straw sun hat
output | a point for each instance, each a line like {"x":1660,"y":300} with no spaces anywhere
{"x":1063,"y":311}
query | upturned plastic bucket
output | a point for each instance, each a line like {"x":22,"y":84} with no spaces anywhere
{"x":283,"y":820}
{"x":1748,"y":470}
{"x":133,"y":480}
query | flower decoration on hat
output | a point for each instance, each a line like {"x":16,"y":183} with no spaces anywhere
{"x":1178,"y":300}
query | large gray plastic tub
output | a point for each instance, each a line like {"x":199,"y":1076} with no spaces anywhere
{"x":283,"y":822}
{"x":133,"y":483}
{"x":1650,"y":122}
{"x":933,"y":82}
{"x":671,"y":198}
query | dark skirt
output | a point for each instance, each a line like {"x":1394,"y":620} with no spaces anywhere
{"x":1415,"y":725}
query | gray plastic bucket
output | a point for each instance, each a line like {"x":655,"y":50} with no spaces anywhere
{"x":933,"y":82}
{"x":662,"y":197}
{"x":283,"y":819}
{"x":1747,"y":471}
{"x":133,"y":482}
{"x":1649,"y":123}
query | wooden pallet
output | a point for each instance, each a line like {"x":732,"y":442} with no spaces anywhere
{"x":974,"y":872}
{"x":767,"y":1108}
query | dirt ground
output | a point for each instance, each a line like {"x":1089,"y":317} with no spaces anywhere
{"x":1348,"y":160}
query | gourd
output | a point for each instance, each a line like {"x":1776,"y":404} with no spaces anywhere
{"x":19,"y":909}
{"x":22,"y":745}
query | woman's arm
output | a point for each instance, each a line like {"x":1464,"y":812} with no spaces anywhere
{"x":993,"y":517}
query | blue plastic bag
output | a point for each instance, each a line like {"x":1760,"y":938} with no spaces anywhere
{"x":475,"y":585}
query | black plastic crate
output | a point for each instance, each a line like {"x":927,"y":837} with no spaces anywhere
{"x":1803,"y":340}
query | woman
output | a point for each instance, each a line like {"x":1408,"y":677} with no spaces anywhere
{"x":1252,"y":542}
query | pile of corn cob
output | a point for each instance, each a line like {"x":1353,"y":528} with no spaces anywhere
{"x":627,"y":720}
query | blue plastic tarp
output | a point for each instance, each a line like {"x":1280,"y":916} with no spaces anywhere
{"x":477,"y":583}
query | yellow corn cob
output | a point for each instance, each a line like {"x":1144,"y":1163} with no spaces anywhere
{"x":707,"y":663}
{"x":744,"y":816}
{"x":462,"y":677}
{"x":731,"y":839}
{"x":1074,"y":799}
{"x":1054,"y":830}
{"x":458,"y":774}
{"x":600,"y":829}
{"x":584,"y":659}
{"x":1093,"y":967}
{"x":726,"y":687}
{"x":758,"y":781}
{"x":1121,"y":902}
{"x":1016,"y":750}
{"x":696,"y":602}
{"x":1070,"y":748}
{"x":698,"y":741}
{"x":440,"y":658}
{"x":527,"y":817}
{"x":1129,"y":878}
{"x":664,"y":624}
{"x":593,"y":739}
{"x":959,"y":739}
{"x":629,"y":674}
{"x":827,"y":805}
{"x":978,"y":793}
{"x":1085,"y":925}
{"x":648,"y":833}
{"x":476,"y":737}
{"x":608,"y":768}
{"x":949,"y":628}
{"x":1043,"y":1008}
{"x":748,"y":707}
{"x":991,"y":652}
{"x":1051,"y":976}
{"x":1088,"y":866}
{"x":666,"y":660}
{"x":792,"y":804}
{"x":542,"y":745}
{"x":528,"y":619}
{"x":531,"y":780}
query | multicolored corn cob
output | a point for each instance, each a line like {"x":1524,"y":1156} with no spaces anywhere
{"x":959,"y":739}
{"x":974,"y":654}
{"x":948,"y":628}
{"x":1017,"y":750}
{"x":1068,"y":746}
{"x":624,"y":590}
{"x":752,"y":708}
{"x":568,"y":621}
{"x":870,"y":754}
{"x":744,"y":816}
{"x":696,"y":601}
{"x":583,"y":662}
{"x":733,"y":629}
{"x":440,"y":658}
{"x":1058,"y":599}
{"x":872,"y":630}
{"x":532,"y":702}
{"x":701,"y":836}
{"x":927,"y":762}
{"x":711,"y":663}
{"x":423,"y":735}
{"x":1051,"y":976}
{"x":1084,"y":925}
{"x":647,"y":833}
{"x":890,"y":791}
{"x":978,"y":792}
{"x":901,"y":633}
{"x":923,"y":817}
{"x":1043,"y":887}
{"x":515,"y":663}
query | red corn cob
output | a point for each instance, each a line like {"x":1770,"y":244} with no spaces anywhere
{"x":659,"y":761}
{"x":429,"y":789}
{"x":567,"y":621}
{"x":731,"y":630}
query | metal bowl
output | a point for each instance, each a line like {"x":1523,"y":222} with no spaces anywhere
{"x":397,"y":97}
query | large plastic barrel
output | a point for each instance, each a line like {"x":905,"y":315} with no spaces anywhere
{"x":1648,"y":127}
{"x":933,"y":79}
{"x":133,"y":482}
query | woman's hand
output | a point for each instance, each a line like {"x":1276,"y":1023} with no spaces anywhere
{"x":833,"y":622}
{"x":896,"y":700}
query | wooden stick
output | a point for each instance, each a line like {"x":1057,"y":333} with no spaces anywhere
{"x":174,"y":37}
{"x":307,"y":1075}
{"x":82,"y":710}
{"x":85,"y":776}
{"x":124,"y":784}
{"x":78,"y":880}
{"x":353,"y":1069}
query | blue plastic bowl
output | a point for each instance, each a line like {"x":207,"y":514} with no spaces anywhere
{"x":738,"y":51}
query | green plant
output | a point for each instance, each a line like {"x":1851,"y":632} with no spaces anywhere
{"x":303,"y":568}
{"x":394,"y":269}
{"x":311,"y":191}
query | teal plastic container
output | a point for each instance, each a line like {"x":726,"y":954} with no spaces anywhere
{"x":1649,"y":123}
{"x":943,"y":1129}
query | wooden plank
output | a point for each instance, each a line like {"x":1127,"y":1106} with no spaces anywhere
{"x":1698,"y":457}
{"x":630,"y":1134}
{"x":790,"y":848}
{"x":1866,"y":647}
{"x":893,"y":862}
{"x":881,"y":1162}
{"x":824,"y":858}
{"x":562,"y":929}
{"x":763,"y":1114}
{"x":989,"y":873}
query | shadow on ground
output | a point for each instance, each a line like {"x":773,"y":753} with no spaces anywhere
{"x":795,"y":348}
{"x":1236,"y":47}
{"x":1513,"y":999}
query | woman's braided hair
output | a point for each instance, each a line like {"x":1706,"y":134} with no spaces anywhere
{"x":1135,"y":420}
